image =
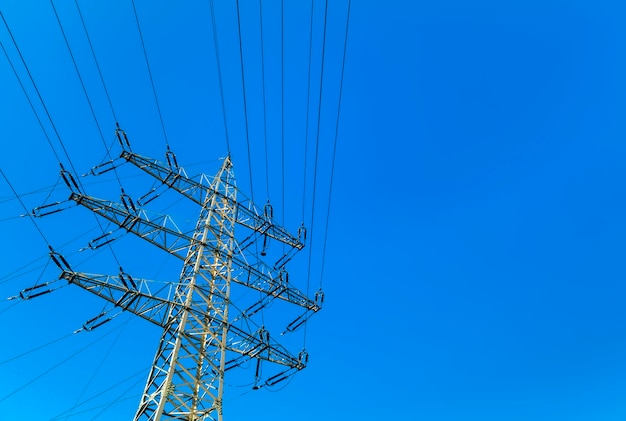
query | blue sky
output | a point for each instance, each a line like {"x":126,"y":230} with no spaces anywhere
{"x":474,"y":257}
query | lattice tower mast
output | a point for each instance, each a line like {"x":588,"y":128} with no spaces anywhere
{"x":191,"y":358}
{"x":199,"y":342}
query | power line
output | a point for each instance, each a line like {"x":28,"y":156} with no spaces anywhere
{"x":245,"y":107}
{"x":145,"y":55}
{"x":82,"y":84}
{"x":4,"y":199}
{"x":308,"y":101}
{"x":39,"y":95}
{"x":332,"y":166}
{"x":19,"y":80}
{"x":9,"y":307}
{"x":31,"y":381}
{"x":319,"y":113}
{"x":219,"y":74}
{"x":16,"y":273}
{"x":17,"y":196}
{"x":43,"y":104}
{"x":106,"y":406}
{"x":70,"y":412}
{"x":282,"y":104}
{"x":102,"y":360}
{"x":119,"y":399}
{"x":267,"y":168}
{"x":45,"y":345}
{"x":93,"y":53}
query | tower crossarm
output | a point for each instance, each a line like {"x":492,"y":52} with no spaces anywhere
{"x":164,"y":233}
{"x":124,"y":292}
{"x":195,"y":191}
{"x":255,"y":346}
{"x":136,"y":297}
{"x":160,"y":231}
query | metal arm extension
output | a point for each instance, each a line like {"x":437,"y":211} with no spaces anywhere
{"x":163,"y":233}
{"x":116,"y":290}
{"x":196,"y":192}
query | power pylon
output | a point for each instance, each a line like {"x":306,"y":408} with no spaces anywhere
{"x":200,"y":340}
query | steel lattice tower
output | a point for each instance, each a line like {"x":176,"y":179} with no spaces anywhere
{"x":200,"y":340}
{"x":191,"y":358}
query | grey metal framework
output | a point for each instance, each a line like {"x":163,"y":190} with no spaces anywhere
{"x":200,"y":340}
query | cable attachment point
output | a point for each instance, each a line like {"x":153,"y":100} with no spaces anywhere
{"x":171,"y":159}
{"x":268,"y":211}
{"x":284,"y":375}
{"x":59,"y":260}
{"x":126,"y":279}
{"x":303,"y":358}
{"x":264,"y":249}
{"x":69,"y":180}
{"x":128,"y":202}
{"x":302,"y":233}
{"x":283,"y":277}
{"x":302,"y":319}
{"x":51,"y":208}
{"x":257,"y":375}
{"x":122,"y":138}
{"x":95,"y":322}
{"x":105,"y":167}
{"x":32,"y":292}
{"x":255,"y":308}
{"x":150,"y":196}
{"x":103,"y":240}
{"x":264,"y":334}
{"x":319,"y":298}
{"x":268,"y":214}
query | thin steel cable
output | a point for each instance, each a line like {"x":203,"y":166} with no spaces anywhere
{"x":99,"y":394}
{"x":267,"y":167}
{"x":119,"y":398}
{"x":34,"y":379}
{"x":30,"y":351}
{"x":332,"y":166}
{"x":39,"y":95}
{"x":56,"y":183}
{"x":282,"y":107}
{"x":43,"y":104}
{"x":219,"y":74}
{"x":82,"y":84}
{"x":267,"y":182}
{"x":317,"y":137}
{"x":5,"y":199}
{"x":308,"y":102}
{"x":16,"y":273}
{"x":101,"y":363}
{"x":17,"y":196}
{"x":95,"y":59}
{"x":145,"y":55}
{"x":19,"y":80}
{"x":45,"y":267}
{"x":108,"y":404}
{"x":245,"y":106}
{"x":10,"y":218}
{"x":278,"y":389}
{"x":10,"y":306}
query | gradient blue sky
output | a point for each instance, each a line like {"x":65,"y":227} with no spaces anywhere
{"x":474,"y":268}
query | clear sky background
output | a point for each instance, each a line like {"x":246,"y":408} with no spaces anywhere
{"x":474,"y":264}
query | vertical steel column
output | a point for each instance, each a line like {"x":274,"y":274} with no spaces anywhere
{"x":186,"y":380}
